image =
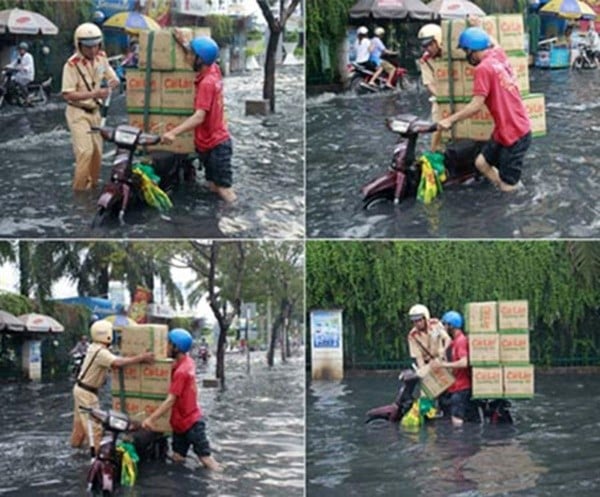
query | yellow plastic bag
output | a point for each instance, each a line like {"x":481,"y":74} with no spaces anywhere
{"x":433,"y":174}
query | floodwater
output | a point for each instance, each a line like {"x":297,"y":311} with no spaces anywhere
{"x":550,"y":451}
{"x":256,"y":430}
{"x":268,"y":166}
{"x":348,"y":145}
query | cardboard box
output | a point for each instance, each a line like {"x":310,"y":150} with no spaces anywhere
{"x":481,"y":124}
{"x":435,"y":381}
{"x":136,"y":90}
{"x":131,"y":379}
{"x":166,"y":54}
{"x":510,"y":31}
{"x":137,"y":339}
{"x":177,"y":91}
{"x":513,"y":315}
{"x":507,"y":29}
{"x":535,"y":103}
{"x":487,"y":382}
{"x":139,"y":408}
{"x":444,"y":75}
{"x":518,"y":382}
{"x":484,"y":349}
{"x":159,"y":124}
{"x":514,"y":349}
{"x":460,"y":129}
{"x":480,"y":317}
{"x":520,"y":65}
{"x":156,"y":378}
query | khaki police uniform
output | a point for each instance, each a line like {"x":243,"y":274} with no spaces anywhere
{"x":429,"y":80}
{"x":94,"y":369}
{"x":83,"y":114}
{"x":428,"y":345}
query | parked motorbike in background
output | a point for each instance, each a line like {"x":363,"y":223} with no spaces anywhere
{"x":14,"y":94}
{"x":586,"y":58}
{"x":359,"y":75}
{"x":76,"y":362}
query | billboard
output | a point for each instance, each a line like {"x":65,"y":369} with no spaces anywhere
{"x":326,"y":339}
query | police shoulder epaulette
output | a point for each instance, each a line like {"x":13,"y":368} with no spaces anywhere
{"x":74,"y":59}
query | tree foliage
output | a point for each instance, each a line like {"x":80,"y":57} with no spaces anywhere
{"x":375,"y":283}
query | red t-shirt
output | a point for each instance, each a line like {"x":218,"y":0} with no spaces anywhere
{"x":459,"y":349}
{"x":186,"y":410}
{"x":496,"y":81}
{"x":209,"y":98}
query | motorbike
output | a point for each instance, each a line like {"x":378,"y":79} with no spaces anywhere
{"x":586,"y":58}
{"x":104,"y":475}
{"x":125,"y":187}
{"x":13,"y":93}
{"x":494,"y":411}
{"x":76,"y":362}
{"x":359,"y":75}
{"x":401,"y":180}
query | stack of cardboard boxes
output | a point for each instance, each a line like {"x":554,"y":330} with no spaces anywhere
{"x":138,"y":390}
{"x":498,"y":334}
{"x":455,"y":76}
{"x":160,"y":94}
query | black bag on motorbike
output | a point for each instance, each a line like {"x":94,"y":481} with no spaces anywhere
{"x":150,"y":445}
{"x":459,"y":157}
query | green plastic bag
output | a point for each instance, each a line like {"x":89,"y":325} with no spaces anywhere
{"x":433,"y":174}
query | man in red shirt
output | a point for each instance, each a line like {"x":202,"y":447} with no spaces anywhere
{"x":186,"y":415}
{"x":495,"y":85}
{"x":211,"y":136}
{"x":460,"y":390}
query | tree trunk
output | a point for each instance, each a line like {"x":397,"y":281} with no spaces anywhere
{"x":24,"y":268}
{"x":277,"y":325}
{"x":270,"y":62}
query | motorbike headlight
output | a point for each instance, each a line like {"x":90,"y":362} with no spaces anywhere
{"x":118,"y":423}
{"x":398,"y":126}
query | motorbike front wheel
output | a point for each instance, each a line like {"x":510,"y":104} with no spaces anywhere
{"x":380,"y":198}
{"x":99,"y":217}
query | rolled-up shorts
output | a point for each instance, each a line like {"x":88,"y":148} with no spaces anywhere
{"x":508,"y":160}
{"x":217,"y":164}
{"x":459,"y":402}
{"x":388,"y":67}
{"x":196,"y":437}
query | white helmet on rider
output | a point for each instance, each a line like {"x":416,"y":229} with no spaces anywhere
{"x":88,"y":35}
{"x":379,"y":32}
{"x":102,"y":332}
{"x":363,"y":30}
{"x":429,"y":33}
{"x":418,"y":311}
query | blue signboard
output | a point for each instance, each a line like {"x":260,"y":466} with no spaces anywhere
{"x":326,"y":327}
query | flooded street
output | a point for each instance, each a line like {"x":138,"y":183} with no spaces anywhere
{"x":550,"y":451}
{"x":37,"y":161}
{"x":348,"y":145}
{"x":256,"y":429}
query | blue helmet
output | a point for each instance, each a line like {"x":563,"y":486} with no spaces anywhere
{"x":181,"y":339}
{"x":474,"y":39}
{"x":205,"y":49}
{"x":453,"y":319}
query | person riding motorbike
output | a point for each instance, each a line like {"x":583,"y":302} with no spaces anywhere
{"x":98,"y":361}
{"x":378,"y":49}
{"x":203,"y":350}
{"x":459,"y":393}
{"x":82,"y":78}
{"x":430,"y":39}
{"x":25,"y":66}
{"x":361,"y":47}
